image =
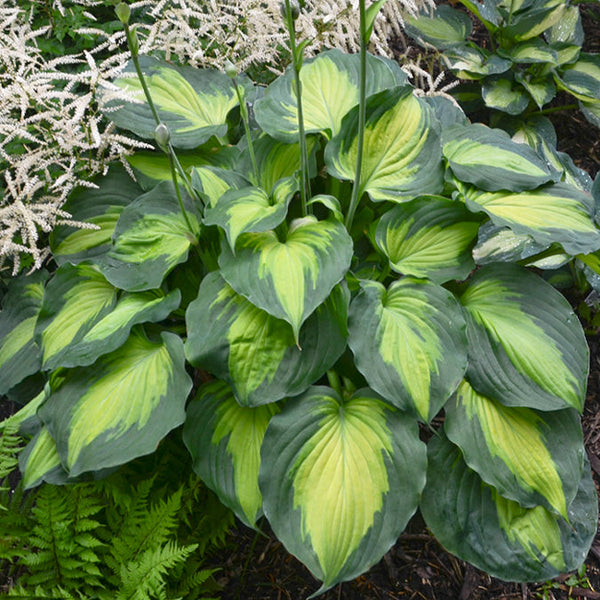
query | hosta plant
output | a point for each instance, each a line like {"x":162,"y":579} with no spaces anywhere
{"x":330,"y":293}
{"x":532,"y":52}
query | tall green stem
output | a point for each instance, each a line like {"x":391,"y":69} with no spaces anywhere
{"x":297,"y":65}
{"x":246,"y":120}
{"x":362,"y":113}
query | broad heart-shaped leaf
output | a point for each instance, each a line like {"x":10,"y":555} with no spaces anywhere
{"x":556,"y":213}
{"x":526,"y":346}
{"x":472,"y":62}
{"x":401,"y":156}
{"x":591,"y":111}
{"x":409,"y":342}
{"x":503,"y":93}
{"x":340,"y":479}
{"x":541,"y":89}
{"x":506,"y":540}
{"x":429,"y":237}
{"x":39,"y":461}
{"x":291,"y":277}
{"x":530,"y":457}
{"x":256,"y":352}
{"x":82,"y":319}
{"x":489,"y":159}
{"x":329,"y":90}
{"x":445,"y":28}
{"x":19,"y":352}
{"x":120,"y":407}
{"x":192,"y":103}
{"x":213,"y":182}
{"x":224,"y":440}
{"x":534,"y":20}
{"x":251,"y":209}
{"x":151,"y":237}
{"x":582,"y":78}
{"x":100,"y":207}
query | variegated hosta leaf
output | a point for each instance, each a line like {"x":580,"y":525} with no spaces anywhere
{"x":533,"y":51}
{"x":530,"y":457}
{"x":224,"y":440}
{"x":472,"y":62}
{"x":251,"y":209}
{"x":19,"y":352}
{"x":489,"y":159}
{"x":120,"y":407}
{"x":503,"y":93}
{"x":39,"y":461}
{"x":289,"y":278}
{"x":445,"y":28}
{"x":340,"y":479}
{"x":213,"y":182}
{"x":401,"y":156}
{"x":526,"y":346}
{"x":429,"y":237}
{"x":329,"y":90}
{"x":151,"y":237}
{"x":255,"y":352}
{"x":542,"y":89}
{"x":192,"y":103}
{"x":591,"y":111}
{"x":582,"y":78}
{"x":473,"y":521}
{"x":568,"y":30}
{"x":555,"y":213}
{"x":277,"y":160}
{"x":534,"y":20}
{"x":409,"y":342}
{"x":101,"y":208}
{"x":77,"y":297}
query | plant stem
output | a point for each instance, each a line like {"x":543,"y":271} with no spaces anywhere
{"x":547,"y":111}
{"x":172,"y":158}
{"x":246,"y":121}
{"x":334,"y":382}
{"x":296,"y":65}
{"x":362,"y":112}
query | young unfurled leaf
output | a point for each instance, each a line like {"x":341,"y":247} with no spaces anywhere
{"x":340,"y":479}
{"x":530,"y":457}
{"x":255,"y":352}
{"x":473,"y":521}
{"x":289,"y":278}
{"x":120,"y":407}
{"x":224,"y":440}
{"x":409,"y":343}
{"x":526,"y":346}
{"x":401,"y":156}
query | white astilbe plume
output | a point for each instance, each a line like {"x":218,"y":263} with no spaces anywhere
{"x":53,"y":136}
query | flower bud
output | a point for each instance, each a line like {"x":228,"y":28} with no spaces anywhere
{"x":294,"y":9}
{"x":123,"y":12}
{"x":162,"y":135}
{"x":134,"y":44}
{"x":230,"y":69}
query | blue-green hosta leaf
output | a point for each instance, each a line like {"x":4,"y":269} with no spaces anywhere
{"x":120,"y":407}
{"x":151,"y":237}
{"x":530,"y":457}
{"x":428,"y":237}
{"x":401,"y":156}
{"x":329,"y":90}
{"x":568,"y":30}
{"x":555,"y":213}
{"x":445,"y":28}
{"x":192,"y":103}
{"x":255,"y":352}
{"x":100,"y":207}
{"x":77,"y":297}
{"x":486,"y":11}
{"x":472,"y":62}
{"x":542,"y":90}
{"x":39,"y":461}
{"x":506,"y":540}
{"x":340,"y":479}
{"x":83,"y":317}
{"x":409,"y":342}
{"x":251,"y":209}
{"x":533,"y":21}
{"x":533,"y":51}
{"x":489,"y":159}
{"x":582,"y":78}
{"x":224,"y":440}
{"x":591,"y":111}
{"x":213,"y":182}
{"x":289,"y":278}
{"x":502,"y":93}
{"x":19,"y":353}
{"x":526,"y":346}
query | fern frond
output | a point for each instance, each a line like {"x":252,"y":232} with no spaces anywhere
{"x":10,"y":446}
{"x":40,"y":594}
{"x":146,"y":578}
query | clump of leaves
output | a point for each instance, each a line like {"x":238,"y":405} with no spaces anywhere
{"x":357,"y":261}
{"x":532,"y":52}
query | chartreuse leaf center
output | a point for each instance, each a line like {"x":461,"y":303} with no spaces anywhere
{"x":345,"y":454}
